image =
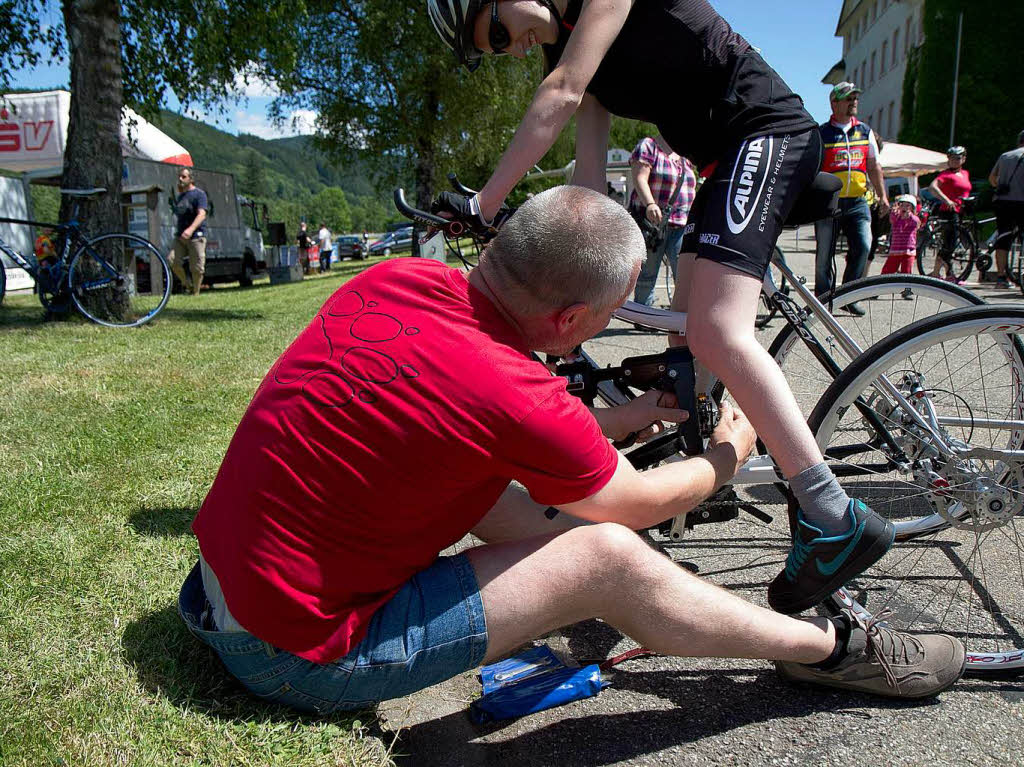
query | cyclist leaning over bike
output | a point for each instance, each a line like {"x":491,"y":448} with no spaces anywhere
{"x":412,"y":402}
{"x":1007,"y":177}
{"x":758,"y":147}
{"x":952,"y":186}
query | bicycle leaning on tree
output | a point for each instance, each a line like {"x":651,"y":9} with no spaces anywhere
{"x":115,"y":279}
{"x":926,"y":424}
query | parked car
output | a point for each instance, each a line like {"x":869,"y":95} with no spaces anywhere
{"x":349,"y":246}
{"x":392,"y":242}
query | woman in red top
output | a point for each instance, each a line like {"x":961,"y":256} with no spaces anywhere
{"x":951,"y":186}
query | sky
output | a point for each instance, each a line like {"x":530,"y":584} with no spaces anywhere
{"x":796,"y":38}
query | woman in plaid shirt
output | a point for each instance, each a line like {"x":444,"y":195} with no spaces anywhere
{"x":656,"y":171}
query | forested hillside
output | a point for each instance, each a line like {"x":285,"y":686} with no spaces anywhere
{"x":295,"y":179}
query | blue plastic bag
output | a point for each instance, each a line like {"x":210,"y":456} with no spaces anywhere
{"x":529,"y":682}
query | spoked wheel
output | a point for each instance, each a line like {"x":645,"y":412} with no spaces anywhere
{"x":942,"y":460}
{"x":119,"y":280}
{"x":766,"y":311}
{"x":961,"y":255}
{"x":890,"y":302}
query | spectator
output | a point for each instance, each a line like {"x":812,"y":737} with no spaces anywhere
{"x":658,"y":175}
{"x":324,"y":236}
{"x":879,"y":223}
{"x":305,"y":243}
{"x":851,"y":153}
{"x":952,"y":187}
{"x":190,"y":207}
{"x":903,"y":240}
{"x":1007,"y":178}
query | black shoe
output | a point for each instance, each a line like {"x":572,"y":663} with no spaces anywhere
{"x":855,"y":309}
{"x":907,"y":294}
{"x":818,"y":565}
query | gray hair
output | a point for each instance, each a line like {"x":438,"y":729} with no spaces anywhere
{"x":565,"y":245}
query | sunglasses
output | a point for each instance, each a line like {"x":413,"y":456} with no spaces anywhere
{"x":497,"y":34}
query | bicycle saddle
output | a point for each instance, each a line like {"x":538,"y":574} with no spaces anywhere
{"x":96,"y":190}
{"x":819,"y":200}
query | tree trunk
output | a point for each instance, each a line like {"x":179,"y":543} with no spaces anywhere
{"x":425,"y":171}
{"x":92,"y":156}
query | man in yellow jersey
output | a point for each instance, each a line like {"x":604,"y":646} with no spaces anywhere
{"x":851,"y":153}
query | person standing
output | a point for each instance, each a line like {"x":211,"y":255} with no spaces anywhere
{"x":1007,"y":177}
{"x":903,"y":238}
{"x":324,"y":236}
{"x":851,"y":154}
{"x":657,"y":172}
{"x":305,"y":242}
{"x":952,"y":187}
{"x":190,"y":209}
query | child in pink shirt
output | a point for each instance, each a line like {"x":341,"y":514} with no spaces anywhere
{"x":903,"y":239}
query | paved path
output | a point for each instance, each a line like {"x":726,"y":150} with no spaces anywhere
{"x":678,"y":711}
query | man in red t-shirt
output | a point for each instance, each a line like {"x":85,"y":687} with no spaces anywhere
{"x":398,"y":421}
{"x":952,"y":187}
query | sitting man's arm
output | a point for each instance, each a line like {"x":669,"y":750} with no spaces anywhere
{"x":643,"y":499}
{"x":643,"y":416}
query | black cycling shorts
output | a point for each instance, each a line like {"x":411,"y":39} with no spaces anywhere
{"x":1009,"y":215}
{"x":740,"y":210}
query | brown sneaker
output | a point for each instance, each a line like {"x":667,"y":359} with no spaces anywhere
{"x":886,"y":662}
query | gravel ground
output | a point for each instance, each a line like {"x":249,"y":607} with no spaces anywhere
{"x":675,"y":711}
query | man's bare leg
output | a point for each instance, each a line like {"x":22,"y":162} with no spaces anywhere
{"x":532,"y":587}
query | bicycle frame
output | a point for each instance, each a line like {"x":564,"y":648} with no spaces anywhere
{"x":68,"y":232}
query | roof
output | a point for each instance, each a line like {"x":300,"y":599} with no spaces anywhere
{"x":836,"y":74}
{"x":849,"y":6}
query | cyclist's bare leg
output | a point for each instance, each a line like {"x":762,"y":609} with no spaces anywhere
{"x":535,"y":586}
{"x":720,"y":331}
{"x":705,"y":379}
{"x":517,"y":516}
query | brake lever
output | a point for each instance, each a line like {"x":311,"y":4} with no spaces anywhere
{"x":450,"y":227}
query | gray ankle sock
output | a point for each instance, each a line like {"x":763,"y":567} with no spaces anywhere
{"x":822,"y":499}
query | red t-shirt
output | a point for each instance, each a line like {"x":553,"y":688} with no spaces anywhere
{"x":381,"y":436}
{"x":956,"y":185}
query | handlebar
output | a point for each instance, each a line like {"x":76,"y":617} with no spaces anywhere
{"x":459,"y":187}
{"x":449,"y":227}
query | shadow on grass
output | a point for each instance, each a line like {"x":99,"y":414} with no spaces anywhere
{"x":184,"y":312}
{"x":163,"y":523}
{"x":171,"y":663}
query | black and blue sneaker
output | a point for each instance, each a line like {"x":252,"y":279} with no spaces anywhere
{"x":818,"y":565}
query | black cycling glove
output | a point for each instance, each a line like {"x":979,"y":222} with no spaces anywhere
{"x":464,"y":209}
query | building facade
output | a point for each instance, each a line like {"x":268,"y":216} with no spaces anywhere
{"x":878,"y":36}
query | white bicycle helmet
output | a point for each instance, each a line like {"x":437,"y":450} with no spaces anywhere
{"x":909,"y":198}
{"x":452,"y":20}
{"x":956,"y":151}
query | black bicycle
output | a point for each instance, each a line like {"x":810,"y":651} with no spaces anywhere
{"x":119,"y":280}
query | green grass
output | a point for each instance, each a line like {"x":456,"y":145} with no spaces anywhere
{"x":109,"y":440}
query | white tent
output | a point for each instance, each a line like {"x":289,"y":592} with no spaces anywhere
{"x":899,"y":160}
{"x":34,"y":129}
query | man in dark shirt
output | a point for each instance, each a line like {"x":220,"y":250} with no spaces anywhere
{"x":305,"y":243}
{"x":190,"y":207}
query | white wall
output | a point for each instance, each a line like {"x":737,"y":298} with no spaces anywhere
{"x":871,"y":29}
{"x":13,"y":204}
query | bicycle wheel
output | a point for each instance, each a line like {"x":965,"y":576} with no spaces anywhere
{"x":961,"y":257}
{"x":3,"y":281}
{"x":956,"y":499}
{"x":119,"y":280}
{"x":766,"y":311}
{"x":887,"y":305}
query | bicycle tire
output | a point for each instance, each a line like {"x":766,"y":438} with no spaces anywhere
{"x":945,"y":505}
{"x":3,"y":281}
{"x":105,"y":289}
{"x":962,"y":258}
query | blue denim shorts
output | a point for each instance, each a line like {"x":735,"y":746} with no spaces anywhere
{"x":431,"y":630}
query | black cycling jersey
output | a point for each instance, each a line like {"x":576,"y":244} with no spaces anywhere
{"x":679,"y":65}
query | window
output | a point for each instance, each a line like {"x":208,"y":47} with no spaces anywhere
{"x":874,"y":11}
{"x":895,"y":46}
{"x":884,"y":58}
{"x":893,"y":121}
{"x":908,"y":37}
{"x":873,"y":57}
{"x":881,"y":118}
